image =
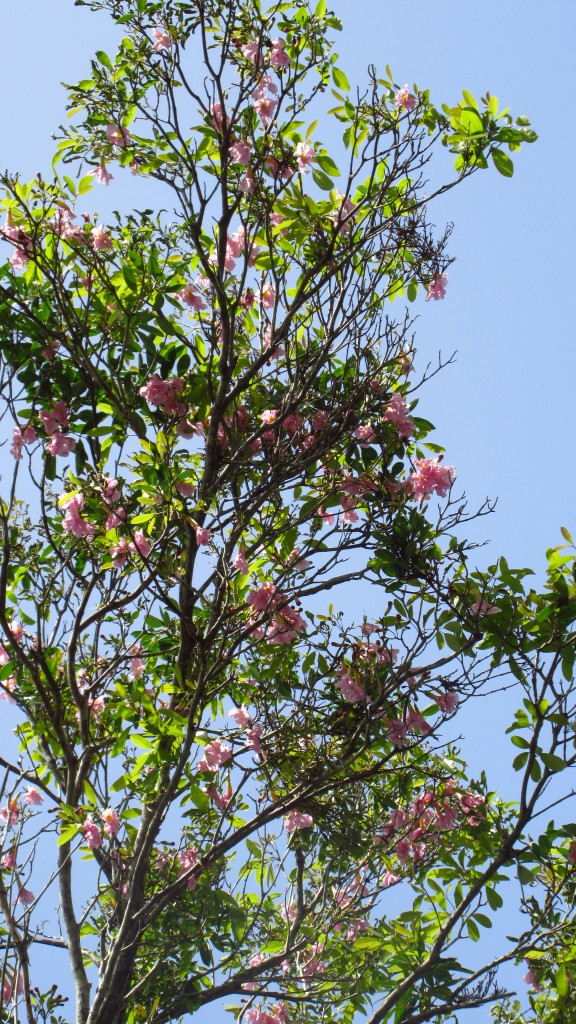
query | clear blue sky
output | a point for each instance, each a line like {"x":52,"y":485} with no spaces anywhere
{"x":505,"y":411}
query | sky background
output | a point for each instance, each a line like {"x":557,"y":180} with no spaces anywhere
{"x":504,"y":411}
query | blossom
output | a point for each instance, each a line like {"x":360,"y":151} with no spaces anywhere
{"x":32,"y":797}
{"x":92,"y":833}
{"x":25,"y":896}
{"x":404,"y":99}
{"x":163,"y":393}
{"x":101,"y":174}
{"x":60,"y":444}
{"x":20,"y":438}
{"x":389,"y":878}
{"x":304,"y":154}
{"x":429,"y":477}
{"x":54,"y":419}
{"x":7,"y":686}
{"x":100,"y":240}
{"x":437,"y":287}
{"x":268,"y":296}
{"x":482,"y":607}
{"x":73,"y":522}
{"x":240,"y":153}
{"x":278,"y":56}
{"x":349,"y":687}
{"x":397,"y":732}
{"x":247,"y":185}
{"x":217,"y":117}
{"x":397,"y":413}
{"x":253,"y":739}
{"x":296,"y":820}
{"x":215,"y":755}
{"x":189,"y":296}
{"x":530,"y":980}
{"x":265,"y":107}
{"x":141,"y":544}
{"x":11,"y":812}
{"x":239,"y":562}
{"x":203,"y":537}
{"x":111,"y":821}
{"x":447,"y":701}
{"x":365,"y":436}
{"x":343,"y":219}
{"x":9,"y":860}
{"x":252,"y":52}
{"x":285,"y":626}
{"x":220,"y":799}
{"x":163,"y":40}
{"x":118,"y":136}
{"x":187,"y":860}
{"x":241,"y":717}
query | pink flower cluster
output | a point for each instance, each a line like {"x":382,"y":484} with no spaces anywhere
{"x":437,"y":287}
{"x":187,"y":860}
{"x":286,"y":622}
{"x":277,"y":1014}
{"x":21,"y":242}
{"x":110,"y":821}
{"x":21,"y":437}
{"x":215,"y":755}
{"x":188,"y":295}
{"x":404,"y":99}
{"x":139,"y":546}
{"x":397,"y":413}
{"x":398,"y":728}
{"x":163,"y":393}
{"x":73,"y":522}
{"x":430,"y":477}
{"x":54,"y":421}
{"x":264,"y":102}
{"x":297,"y":820}
{"x":429,"y":815}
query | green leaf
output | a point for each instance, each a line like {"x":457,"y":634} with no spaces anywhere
{"x":322,"y":180}
{"x":473,"y":930}
{"x":552,"y":761}
{"x":567,"y":536}
{"x":321,"y":8}
{"x":339,"y":79}
{"x":104,"y":59}
{"x":502,"y":163}
{"x":562,"y":983}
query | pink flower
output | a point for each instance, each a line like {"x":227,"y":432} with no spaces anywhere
{"x":101,"y":175}
{"x":349,"y":687}
{"x":9,"y":860}
{"x":189,"y":296}
{"x":203,"y":537}
{"x":429,"y":477}
{"x":187,"y":860}
{"x":414,"y":720}
{"x":404,"y":99}
{"x":482,"y":607}
{"x":365,"y":436}
{"x":25,"y":896}
{"x":389,"y":878}
{"x":268,"y":296}
{"x":11,"y":812}
{"x":7,"y":686}
{"x":163,"y":393}
{"x":253,"y":739}
{"x":137,"y":664}
{"x":92,"y":833}
{"x":72,"y":521}
{"x":118,"y":136}
{"x":163,"y":40}
{"x":447,"y":701}
{"x":60,"y":444}
{"x":111,"y":821}
{"x":446,"y":816}
{"x":265,"y":107}
{"x":264,"y":598}
{"x":397,"y":413}
{"x":304,"y":154}
{"x":141,"y":544}
{"x":100,"y":240}
{"x":530,"y":980}
{"x":54,"y":419}
{"x":296,"y":820}
{"x":240,"y":153}
{"x":20,"y":438}
{"x":241,"y":717}
{"x":119,"y":552}
{"x":32,"y":797}
{"x":343,"y":219}
{"x":253,"y":53}
{"x":397,"y":732}
{"x":240,"y":563}
{"x":285,"y":626}
{"x":217,"y":117}
{"x":220,"y":799}
{"x":437,"y":287}
{"x":278,"y":57}
{"x":215,"y":755}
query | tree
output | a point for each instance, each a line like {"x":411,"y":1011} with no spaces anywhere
{"x":213,"y":426}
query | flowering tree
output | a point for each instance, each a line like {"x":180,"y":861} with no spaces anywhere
{"x":212,"y":425}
